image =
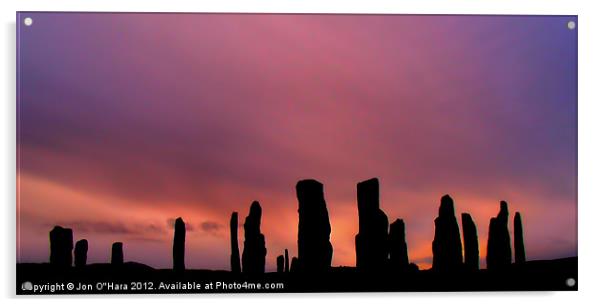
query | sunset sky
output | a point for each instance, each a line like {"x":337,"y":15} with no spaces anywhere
{"x":127,"y":121}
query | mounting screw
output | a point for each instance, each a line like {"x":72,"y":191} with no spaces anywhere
{"x":571,"y":25}
{"x":571,"y":282}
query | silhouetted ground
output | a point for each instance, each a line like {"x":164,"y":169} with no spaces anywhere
{"x":133,"y":277}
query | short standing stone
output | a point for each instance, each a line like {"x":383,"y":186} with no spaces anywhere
{"x":81,"y":253}
{"x":61,"y":246}
{"x":280,"y":264}
{"x":117,"y":253}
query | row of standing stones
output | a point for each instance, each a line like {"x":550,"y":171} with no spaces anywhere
{"x":379,"y":245}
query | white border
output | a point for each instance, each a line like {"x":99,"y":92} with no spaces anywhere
{"x":590,"y":149}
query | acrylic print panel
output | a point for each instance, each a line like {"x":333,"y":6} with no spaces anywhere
{"x":201,"y":153}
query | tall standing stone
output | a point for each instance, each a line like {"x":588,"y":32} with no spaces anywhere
{"x":280,"y":264}
{"x":117,"y":253}
{"x":314,"y":248}
{"x":61,"y":246}
{"x":179,"y":242}
{"x":398,"y":248}
{"x":235,"y":255}
{"x":471,"y":243}
{"x":253,"y":255}
{"x":371,"y":248}
{"x":81,"y":253}
{"x":519,"y":243}
{"x":499,"y":252}
{"x":447,"y":246}
{"x":286,"y":263}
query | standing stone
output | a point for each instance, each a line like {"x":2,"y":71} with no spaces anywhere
{"x":280,"y":264}
{"x":471,"y":243}
{"x":294,"y":264}
{"x":235,"y":255}
{"x":519,"y":244}
{"x":117,"y":253}
{"x":253,"y":255}
{"x":286,"y":264}
{"x":81,"y":253}
{"x":499,"y":252}
{"x":447,"y":246}
{"x":179,"y":240}
{"x":61,"y":246}
{"x":371,"y":248}
{"x":398,"y":248}
{"x":314,"y":248}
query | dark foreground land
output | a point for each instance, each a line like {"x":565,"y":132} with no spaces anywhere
{"x":545,"y":275}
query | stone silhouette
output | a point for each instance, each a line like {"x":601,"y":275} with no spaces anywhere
{"x":61,"y":246}
{"x":314,"y":248}
{"x":280,"y":264}
{"x":398,"y":248}
{"x":286,"y":264}
{"x":499,"y":253}
{"x":81,"y":253}
{"x":471,"y":243}
{"x":235,"y":255}
{"x":294,"y":264}
{"x":447,"y":246}
{"x":519,"y":243}
{"x":179,"y":241}
{"x":253,"y":255}
{"x":117,"y":253}
{"x":371,"y":246}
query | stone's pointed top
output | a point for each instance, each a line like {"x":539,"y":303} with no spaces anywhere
{"x":255,"y":209}
{"x":517,"y":216}
{"x":466,"y":216}
{"x":447,"y":206}
{"x":83,"y":241}
{"x":398,"y":222}
{"x":372,"y":181}
{"x":308,"y":183}
{"x":66,"y":231}
{"x":504,"y":206}
{"x":179,"y":220}
{"x":503,"y":214}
